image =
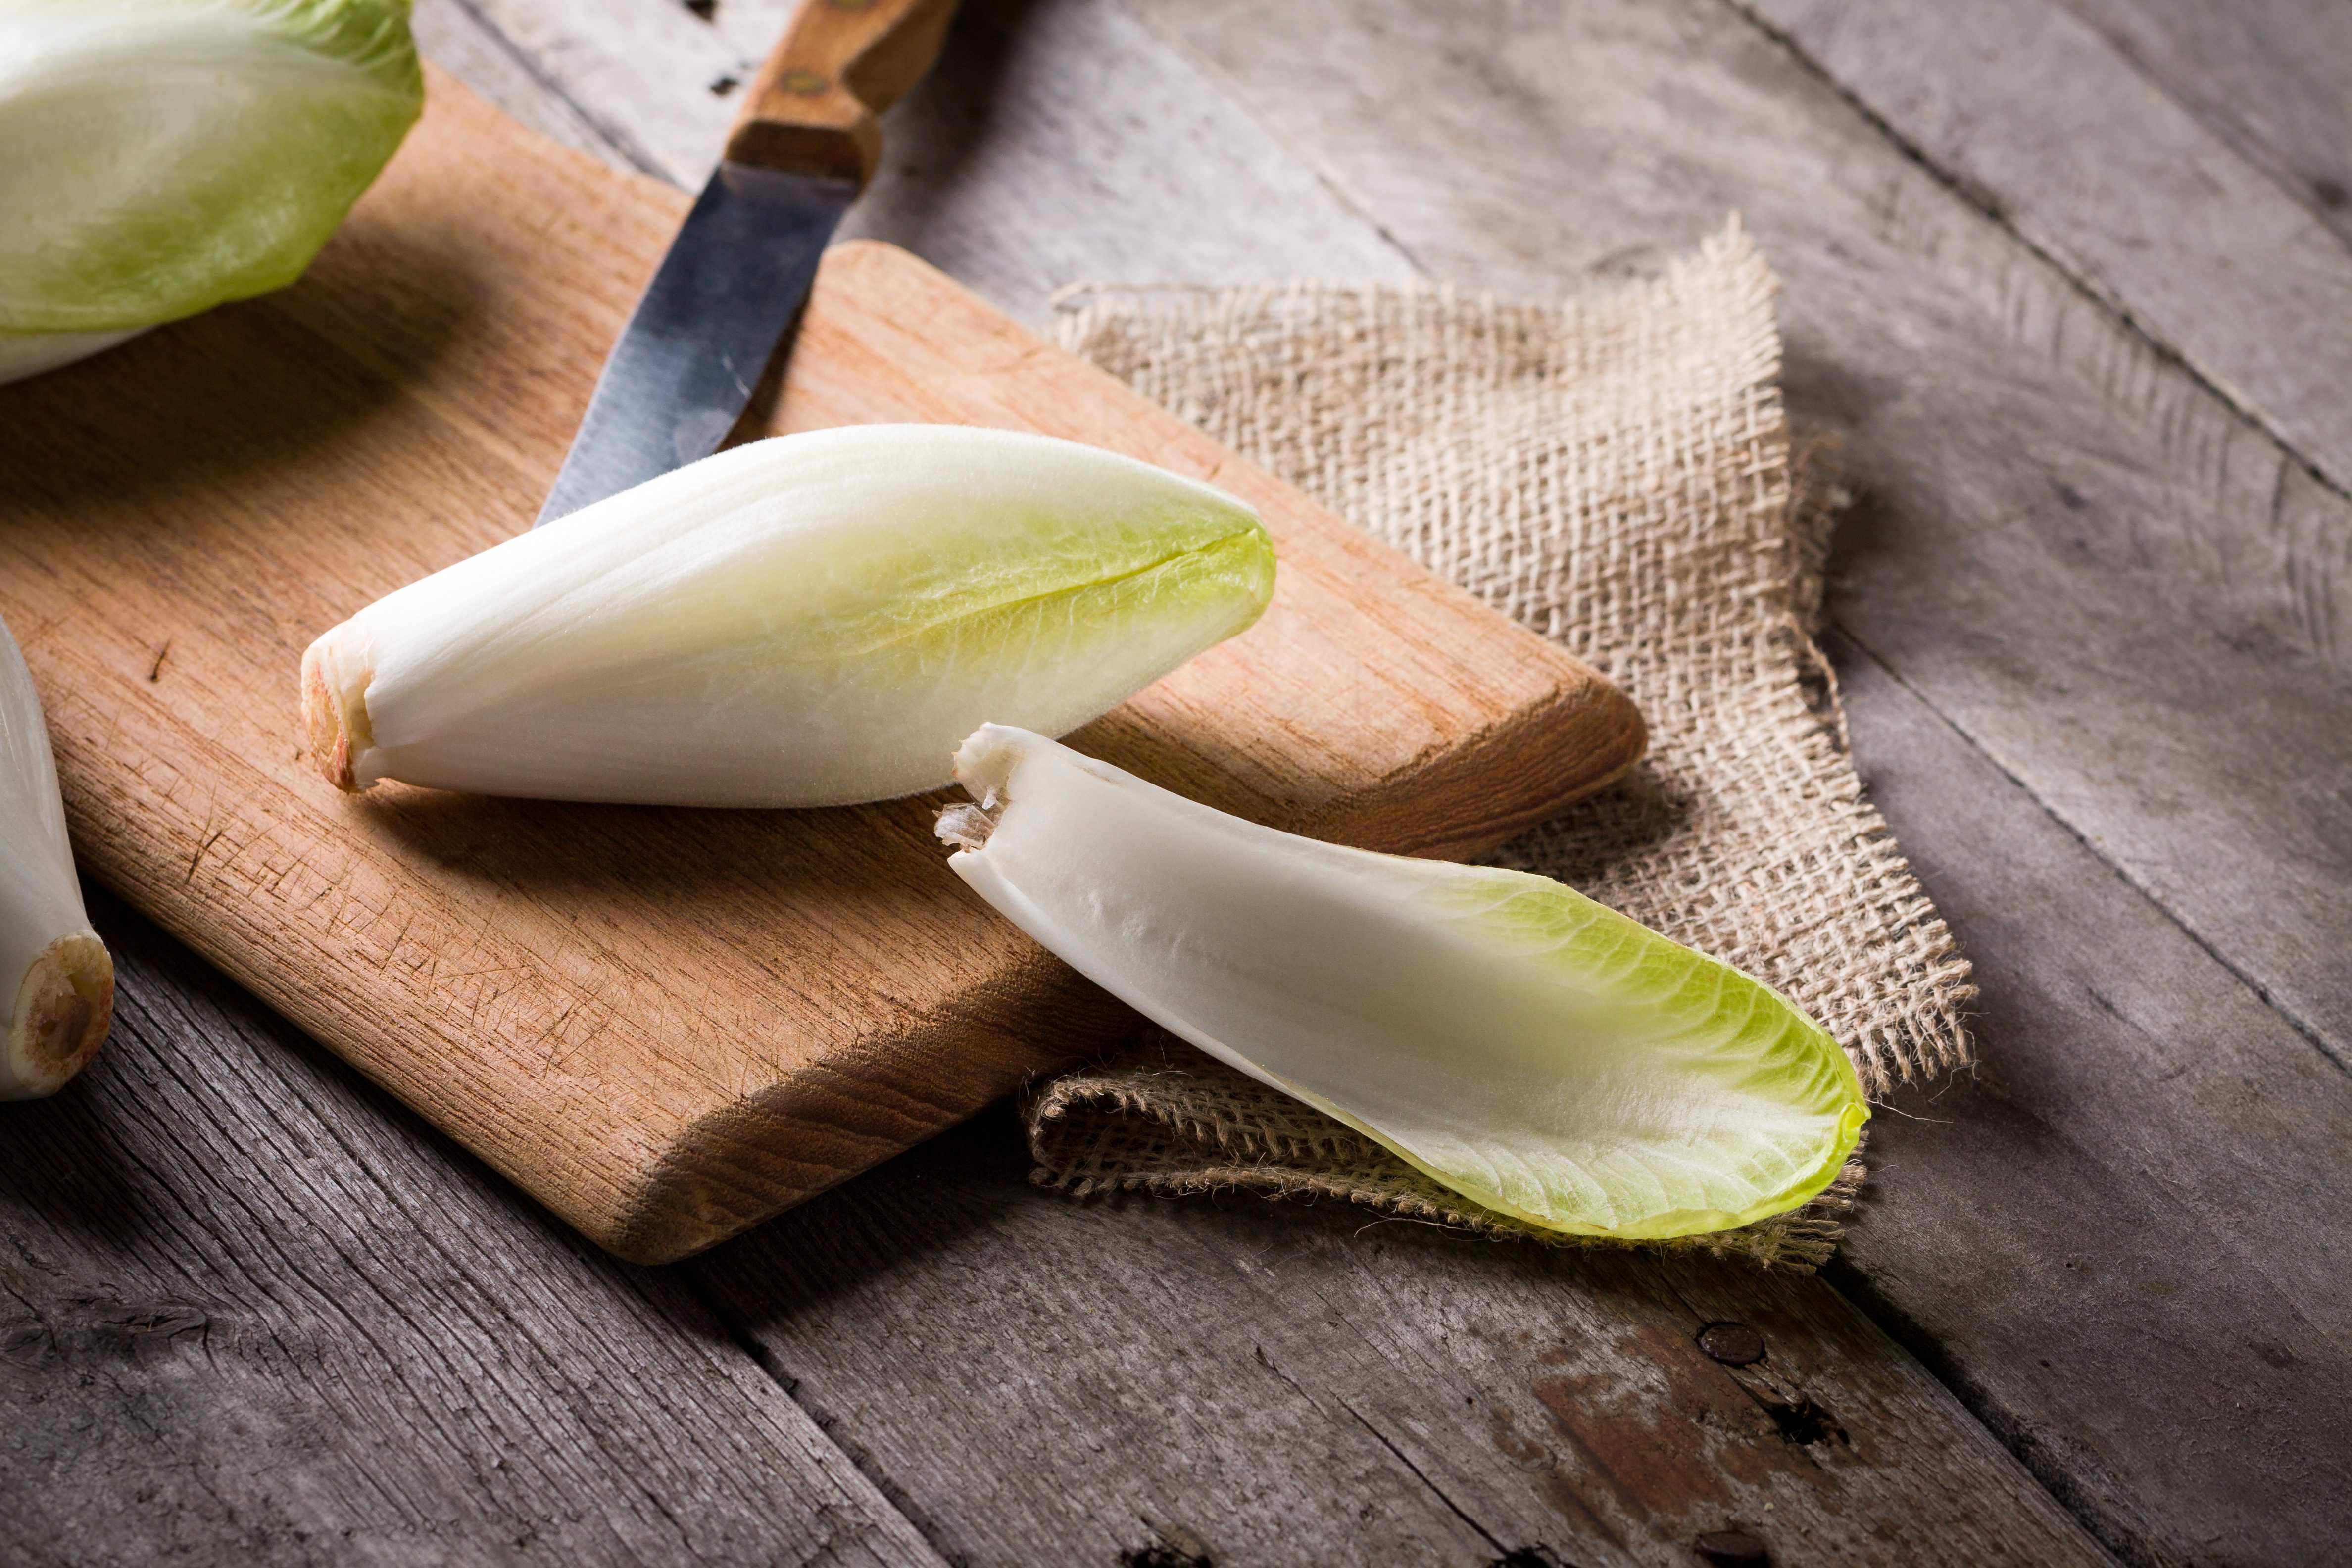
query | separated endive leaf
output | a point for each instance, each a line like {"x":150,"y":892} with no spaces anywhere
{"x":158,"y":157}
{"x":812,"y":620}
{"x":1531,"y":1049}
{"x":55,"y":979}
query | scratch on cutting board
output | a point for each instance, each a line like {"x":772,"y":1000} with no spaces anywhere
{"x":198,"y":858}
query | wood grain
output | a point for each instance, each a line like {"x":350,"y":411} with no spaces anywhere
{"x":253,"y":1312}
{"x":2153,"y":1163}
{"x":2039,"y":115}
{"x":2267,"y":77}
{"x":1290,"y":1383}
{"x":455,"y":36}
{"x":650,"y":89}
{"x":1057,"y":140}
{"x":666,"y":1024}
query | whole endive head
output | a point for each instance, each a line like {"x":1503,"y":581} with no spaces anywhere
{"x":1529,"y":1048}
{"x":56,"y":983}
{"x":159,"y":157}
{"x":812,"y":620}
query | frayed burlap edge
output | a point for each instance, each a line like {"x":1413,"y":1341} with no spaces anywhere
{"x":1618,"y":475}
{"x":1159,"y":1117}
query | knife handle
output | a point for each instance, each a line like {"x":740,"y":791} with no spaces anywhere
{"x":814,"y":107}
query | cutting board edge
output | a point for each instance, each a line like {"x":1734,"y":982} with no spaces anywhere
{"x":1462,"y":803}
{"x":412,"y":363}
{"x":699,"y":1193}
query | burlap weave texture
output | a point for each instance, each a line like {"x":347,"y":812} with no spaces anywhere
{"x":1618,"y":475}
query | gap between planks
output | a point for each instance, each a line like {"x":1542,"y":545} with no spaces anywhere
{"x":2105,"y":300}
{"x":2252,"y":983}
{"x":1989,"y":205}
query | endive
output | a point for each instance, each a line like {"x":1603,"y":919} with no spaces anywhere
{"x":1531,"y":1049}
{"x":158,"y":157}
{"x":810,"y":620}
{"x":56,"y":978}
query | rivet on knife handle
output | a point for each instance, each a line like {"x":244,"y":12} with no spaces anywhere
{"x":814,"y":108}
{"x":808,"y":142}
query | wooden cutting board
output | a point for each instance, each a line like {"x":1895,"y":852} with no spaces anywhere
{"x":665,"y":1024}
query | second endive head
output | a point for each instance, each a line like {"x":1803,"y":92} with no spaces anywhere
{"x":812,"y":620}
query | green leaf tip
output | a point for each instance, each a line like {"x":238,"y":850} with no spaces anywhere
{"x":1528,"y":1047}
{"x":160,"y":157}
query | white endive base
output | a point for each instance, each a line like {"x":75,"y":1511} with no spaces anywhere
{"x":64,"y":1006}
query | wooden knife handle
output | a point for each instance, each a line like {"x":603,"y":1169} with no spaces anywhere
{"x":815,"y":106}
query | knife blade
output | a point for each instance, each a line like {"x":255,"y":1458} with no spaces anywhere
{"x":808,"y":142}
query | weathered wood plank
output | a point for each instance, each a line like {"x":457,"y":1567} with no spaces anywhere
{"x":453,"y":35}
{"x":1055,"y":140}
{"x":1289,"y":1384}
{"x":252,"y":1312}
{"x":2038,"y":115}
{"x":2270,"y":78}
{"x":2154,"y":1314}
{"x":1061,"y":140}
{"x":592,"y":73}
{"x":2216,"y":570}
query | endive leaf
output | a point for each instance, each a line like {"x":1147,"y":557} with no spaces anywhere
{"x":1531,"y":1049}
{"x":812,"y":620}
{"x":56,"y":983}
{"x":158,"y":157}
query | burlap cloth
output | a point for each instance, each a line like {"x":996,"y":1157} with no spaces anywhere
{"x":1618,"y":475}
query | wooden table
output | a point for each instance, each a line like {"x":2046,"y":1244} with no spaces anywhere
{"x":2074,"y":277}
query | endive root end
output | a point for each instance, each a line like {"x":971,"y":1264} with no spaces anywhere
{"x":64,"y":1008}
{"x":325,"y":724}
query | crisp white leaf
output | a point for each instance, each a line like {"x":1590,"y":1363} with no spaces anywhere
{"x":1527,"y":1047}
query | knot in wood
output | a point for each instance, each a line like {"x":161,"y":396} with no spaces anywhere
{"x":1733,"y":1344}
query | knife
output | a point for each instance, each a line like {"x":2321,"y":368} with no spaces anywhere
{"x":807,"y":140}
